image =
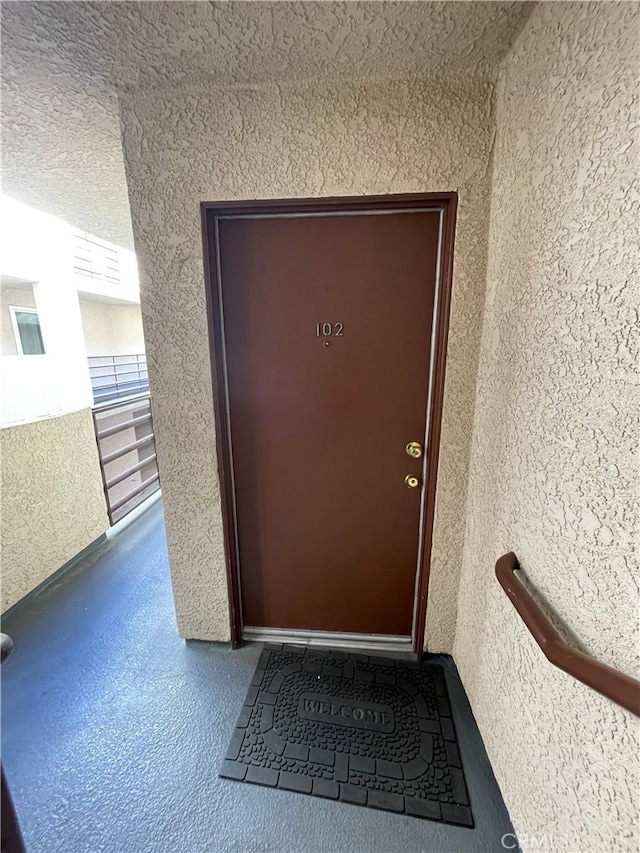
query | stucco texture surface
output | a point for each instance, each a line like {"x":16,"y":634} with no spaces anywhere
{"x":201,"y":143}
{"x":63,"y":65}
{"x":61,"y":144}
{"x":111,"y":329}
{"x":52,"y":500}
{"x":554,"y":470}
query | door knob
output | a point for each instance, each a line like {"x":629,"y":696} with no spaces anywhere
{"x":411,"y":481}
{"x":414,"y":449}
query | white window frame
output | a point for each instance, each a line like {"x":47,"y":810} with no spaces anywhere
{"x":16,"y":328}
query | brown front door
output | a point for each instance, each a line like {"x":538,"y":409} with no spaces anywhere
{"x":326,"y":323}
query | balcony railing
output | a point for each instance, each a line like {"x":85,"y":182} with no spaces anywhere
{"x":114,"y":377}
{"x":127,"y":451}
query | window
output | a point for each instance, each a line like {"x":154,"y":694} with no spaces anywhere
{"x":26,"y":328}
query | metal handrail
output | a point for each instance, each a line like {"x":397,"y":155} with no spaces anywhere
{"x":133,"y":445}
{"x":126,"y":394}
{"x":117,"y":373}
{"x":610,"y":682}
{"x":129,"y":472}
{"x":94,"y":359}
{"x":120,"y":355}
{"x":134,"y":492}
{"x":120,"y":404}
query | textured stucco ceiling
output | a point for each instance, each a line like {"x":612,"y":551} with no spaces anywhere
{"x":64,"y":64}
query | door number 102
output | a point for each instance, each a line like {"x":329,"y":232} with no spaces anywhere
{"x":326,"y":330}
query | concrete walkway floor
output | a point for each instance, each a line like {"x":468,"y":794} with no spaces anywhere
{"x":113,"y":728}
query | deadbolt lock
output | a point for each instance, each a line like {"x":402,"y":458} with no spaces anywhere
{"x":411,"y":481}
{"x":414,"y":449}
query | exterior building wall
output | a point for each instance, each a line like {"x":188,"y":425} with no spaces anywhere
{"x":61,"y":263}
{"x":554,"y":472}
{"x":111,"y":329}
{"x":43,"y":386}
{"x":53,"y":505}
{"x":52,"y":500}
{"x":200,"y":143}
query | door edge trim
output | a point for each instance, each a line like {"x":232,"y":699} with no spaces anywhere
{"x":337,"y":639}
{"x":211,"y":212}
{"x":427,"y":420}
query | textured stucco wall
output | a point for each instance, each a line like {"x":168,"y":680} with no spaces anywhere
{"x":554,"y":472}
{"x":185,"y":145}
{"x":61,"y":146}
{"x":52,"y":500}
{"x":111,"y":329}
{"x":63,"y":63}
{"x":18,"y":298}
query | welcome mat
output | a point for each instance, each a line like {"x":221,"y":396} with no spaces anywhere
{"x":367,"y":730}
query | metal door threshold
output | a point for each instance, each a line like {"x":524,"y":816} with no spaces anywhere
{"x":336,"y":639}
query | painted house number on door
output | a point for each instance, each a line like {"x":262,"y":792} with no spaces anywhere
{"x":325,"y":330}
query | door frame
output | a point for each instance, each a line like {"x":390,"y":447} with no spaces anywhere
{"x":446,"y":204}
